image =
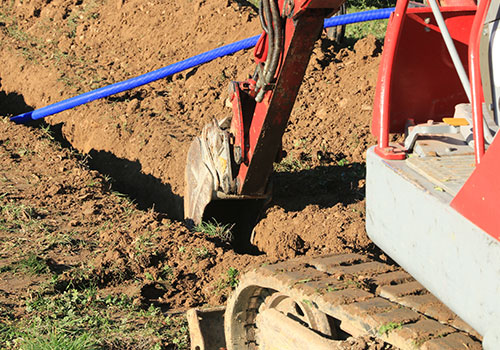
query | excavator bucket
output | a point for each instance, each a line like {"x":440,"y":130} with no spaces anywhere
{"x":210,"y":187}
{"x":208,"y":173}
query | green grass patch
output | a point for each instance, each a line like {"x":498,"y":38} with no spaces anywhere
{"x":16,"y":217}
{"x":33,"y":265}
{"x":356,"y":31}
{"x":232,"y":275}
{"x":57,"y":341}
{"x":389,"y":327}
{"x":216,"y":229}
{"x":290,"y":164}
{"x":228,"y":282}
{"x":83,"y":320}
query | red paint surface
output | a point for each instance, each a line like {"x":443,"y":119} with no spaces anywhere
{"x":479,"y":197}
{"x":475,"y":79}
{"x":417,"y":79}
{"x":264,"y":130}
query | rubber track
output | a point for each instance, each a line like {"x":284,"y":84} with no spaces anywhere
{"x":368,"y":298}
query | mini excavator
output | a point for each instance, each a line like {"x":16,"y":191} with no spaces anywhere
{"x":432,"y":201}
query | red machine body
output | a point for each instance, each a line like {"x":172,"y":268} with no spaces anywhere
{"x":432,"y":204}
{"x":418,"y":81}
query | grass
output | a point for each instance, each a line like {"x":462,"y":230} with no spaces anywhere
{"x":166,"y":273}
{"x":232,"y":275}
{"x":342,"y":162}
{"x":14,"y":211}
{"x":360,"y":30}
{"x":17,"y":217}
{"x":231,"y":279}
{"x":143,"y":243}
{"x":201,"y":253}
{"x":216,"y":229}
{"x":331,"y":289}
{"x":377,"y":28}
{"x":84,"y":320}
{"x":389,"y":327}
{"x":290,"y":164}
{"x":228,"y":282}
{"x":57,"y":341}
{"x":33,"y":265}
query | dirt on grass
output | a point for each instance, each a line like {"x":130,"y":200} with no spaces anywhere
{"x":92,"y":197}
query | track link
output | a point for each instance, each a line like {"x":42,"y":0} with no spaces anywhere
{"x":363,"y":298}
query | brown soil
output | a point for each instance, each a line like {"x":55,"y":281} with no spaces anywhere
{"x":136,"y":143}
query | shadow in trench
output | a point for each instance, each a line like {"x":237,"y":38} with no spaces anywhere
{"x":146,"y":190}
{"x":324,"y":186}
{"x":12,"y":104}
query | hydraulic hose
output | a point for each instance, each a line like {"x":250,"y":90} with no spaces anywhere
{"x":278,"y":38}
{"x":268,"y":16}
{"x":459,"y":67}
{"x":178,"y":67}
{"x":263,"y":21}
{"x":274,"y":50}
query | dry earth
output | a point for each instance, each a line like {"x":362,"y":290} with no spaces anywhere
{"x":95,"y":193}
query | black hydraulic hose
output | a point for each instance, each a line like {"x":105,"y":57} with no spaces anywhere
{"x":270,"y":41}
{"x":258,"y":69}
{"x":275,"y":38}
{"x":278,"y":41}
{"x":262,"y":19}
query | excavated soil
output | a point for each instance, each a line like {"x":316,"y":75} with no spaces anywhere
{"x":108,"y":176}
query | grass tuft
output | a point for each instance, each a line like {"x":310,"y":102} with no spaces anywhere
{"x":389,"y":327}
{"x":33,"y":265}
{"x":216,"y":229}
{"x":58,"y":341}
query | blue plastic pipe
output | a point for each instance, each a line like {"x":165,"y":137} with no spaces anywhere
{"x":364,"y":16}
{"x":181,"y":66}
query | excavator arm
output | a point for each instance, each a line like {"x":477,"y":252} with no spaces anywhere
{"x":229,"y":165}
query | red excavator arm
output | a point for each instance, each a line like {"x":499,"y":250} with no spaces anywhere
{"x":233,"y":158}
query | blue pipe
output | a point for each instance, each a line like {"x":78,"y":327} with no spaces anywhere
{"x":357,"y":17}
{"x":181,"y":66}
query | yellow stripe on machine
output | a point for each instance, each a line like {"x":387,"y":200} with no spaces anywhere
{"x":456,"y":121}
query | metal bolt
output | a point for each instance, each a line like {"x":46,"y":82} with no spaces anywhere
{"x":238,"y":157}
{"x":427,"y":20}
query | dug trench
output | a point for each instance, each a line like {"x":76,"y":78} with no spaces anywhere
{"x":108,"y":176}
